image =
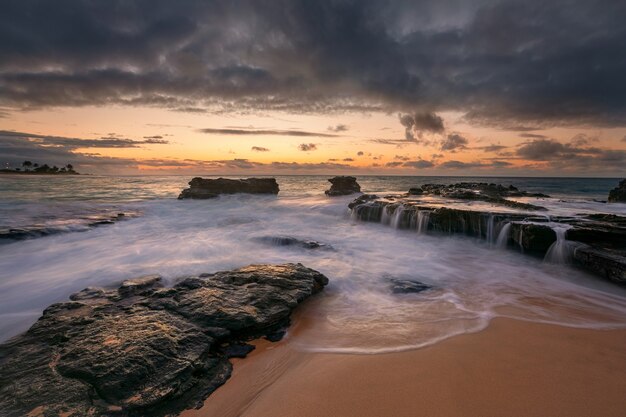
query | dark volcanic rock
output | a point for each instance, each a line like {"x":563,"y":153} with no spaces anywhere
{"x":143,"y":349}
{"x":343,"y":186}
{"x":533,"y":237}
{"x":291,"y":241}
{"x":481,"y":191}
{"x":407,"y":286}
{"x":201,"y":188}
{"x":618,"y":194}
{"x":79,"y":223}
{"x":608,"y":263}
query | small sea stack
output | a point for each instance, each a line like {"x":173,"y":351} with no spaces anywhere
{"x":618,"y":194}
{"x":201,"y":188}
{"x":343,"y":185}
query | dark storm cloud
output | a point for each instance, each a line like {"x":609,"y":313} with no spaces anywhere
{"x":570,"y":156}
{"x":307,"y":147}
{"x":74,"y":143}
{"x":453,"y":142}
{"x":415,"y":125}
{"x":511,"y":63}
{"x":265,"y":132}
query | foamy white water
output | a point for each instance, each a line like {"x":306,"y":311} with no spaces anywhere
{"x":357,"y":312}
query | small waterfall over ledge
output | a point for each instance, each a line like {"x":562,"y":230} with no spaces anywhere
{"x":503,"y":237}
{"x":423,"y":217}
{"x":490,"y":236}
{"x":396,"y":217}
{"x":560,"y":251}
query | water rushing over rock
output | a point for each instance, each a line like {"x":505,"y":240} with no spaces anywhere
{"x":144,"y":349}
{"x":594,"y":236}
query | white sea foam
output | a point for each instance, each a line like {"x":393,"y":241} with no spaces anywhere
{"x":357,"y":313}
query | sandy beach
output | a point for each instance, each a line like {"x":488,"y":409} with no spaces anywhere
{"x":513,"y":368}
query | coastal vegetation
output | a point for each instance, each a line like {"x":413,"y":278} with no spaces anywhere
{"x":29,"y":167}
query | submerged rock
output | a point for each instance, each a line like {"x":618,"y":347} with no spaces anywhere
{"x":618,"y":194}
{"x":407,"y":286}
{"x":201,"y":188}
{"x":291,"y":241}
{"x":343,"y":185}
{"x":143,"y":349}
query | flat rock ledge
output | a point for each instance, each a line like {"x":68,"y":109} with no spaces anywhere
{"x":143,"y":349}
{"x":342,"y":185}
{"x":618,"y":194}
{"x":594,"y":242}
{"x":201,"y":188}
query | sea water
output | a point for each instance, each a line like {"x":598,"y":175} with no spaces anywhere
{"x":472,"y":282}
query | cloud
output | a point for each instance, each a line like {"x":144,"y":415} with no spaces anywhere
{"x":417,"y":124}
{"x":507,"y":63}
{"x":307,"y":147}
{"x":420,"y":164}
{"x":260,"y":149}
{"x":393,"y":164}
{"x":338,"y":128}
{"x":348,"y":160}
{"x":492,"y":148}
{"x":75,"y":143}
{"x":264,"y":132}
{"x":453,"y":142}
{"x":360,"y":153}
{"x":402,"y":158}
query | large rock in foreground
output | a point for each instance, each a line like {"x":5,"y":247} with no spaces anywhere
{"x":144,"y":349}
{"x":343,"y":186}
{"x":618,"y":194}
{"x":202,"y":188}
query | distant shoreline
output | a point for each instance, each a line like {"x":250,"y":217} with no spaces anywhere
{"x":11,"y":172}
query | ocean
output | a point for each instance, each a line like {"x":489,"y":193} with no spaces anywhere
{"x":60,"y":252}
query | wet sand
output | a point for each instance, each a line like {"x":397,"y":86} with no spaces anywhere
{"x":513,"y":368}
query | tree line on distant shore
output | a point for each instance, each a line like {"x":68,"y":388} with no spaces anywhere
{"x":35,"y":168}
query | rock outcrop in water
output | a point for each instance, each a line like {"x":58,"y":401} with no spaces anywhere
{"x":480,"y":191}
{"x":618,"y":194}
{"x":143,"y":349}
{"x":79,"y":223}
{"x":594,"y":242}
{"x":201,"y":188}
{"x":343,"y":185}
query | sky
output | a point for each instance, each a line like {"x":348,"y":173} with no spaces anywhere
{"x":406,"y":87}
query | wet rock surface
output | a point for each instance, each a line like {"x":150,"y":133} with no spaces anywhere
{"x":291,"y":241}
{"x":596,"y":242}
{"x":480,"y":191}
{"x":76,"y":224}
{"x":144,"y":349}
{"x":201,"y":188}
{"x":618,"y":194}
{"x":407,"y":286}
{"x":343,"y":185}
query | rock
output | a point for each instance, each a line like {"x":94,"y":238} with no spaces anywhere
{"x":343,"y":185}
{"x":532,"y":237}
{"x":81,"y":222}
{"x":291,"y":241}
{"x":200,"y":188}
{"x":362,"y":199}
{"x":491,"y":193}
{"x":416,"y":191}
{"x":618,"y":194}
{"x":143,"y":349}
{"x":607,"y":263}
{"x":407,"y":286}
